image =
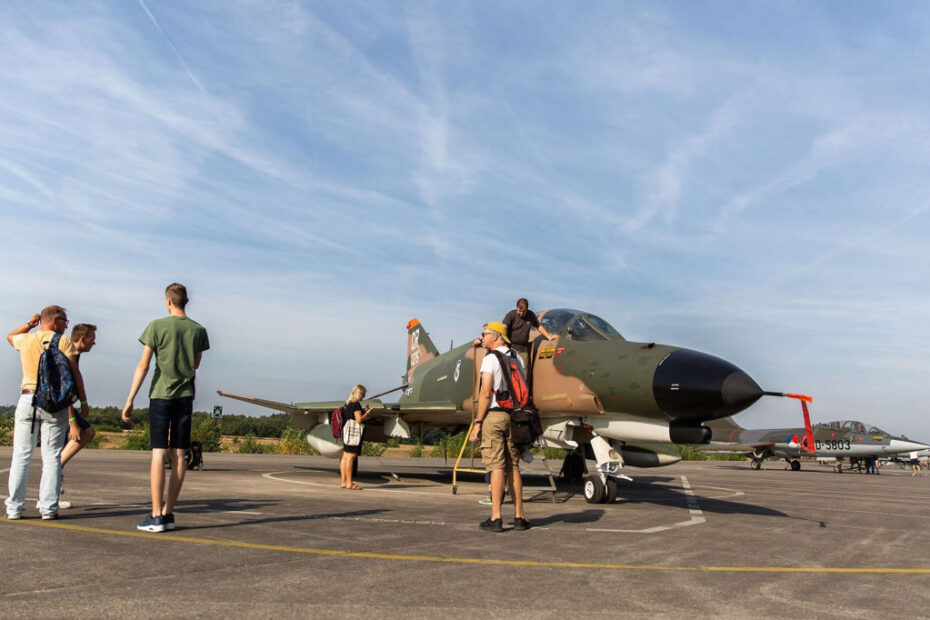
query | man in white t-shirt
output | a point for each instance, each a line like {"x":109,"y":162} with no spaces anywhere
{"x":492,"y":425}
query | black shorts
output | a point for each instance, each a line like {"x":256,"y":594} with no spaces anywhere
{"x":170,"y":422}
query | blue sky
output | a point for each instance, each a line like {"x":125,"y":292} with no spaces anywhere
{"x":748,"y":180}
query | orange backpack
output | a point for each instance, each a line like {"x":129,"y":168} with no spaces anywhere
{"x":517,"y":393}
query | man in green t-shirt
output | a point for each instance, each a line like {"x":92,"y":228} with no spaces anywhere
{"x":177,"y":343}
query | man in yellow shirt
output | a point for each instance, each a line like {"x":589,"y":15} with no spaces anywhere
{"x":53,"y":425}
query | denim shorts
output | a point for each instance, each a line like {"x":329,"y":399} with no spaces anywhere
{"x":170,"y":422}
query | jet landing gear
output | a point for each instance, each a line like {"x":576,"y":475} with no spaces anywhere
{"x":601,"y":486}
{"x":599,"y":491}
{"x":795,"y":464}
{"x":756,"y":464}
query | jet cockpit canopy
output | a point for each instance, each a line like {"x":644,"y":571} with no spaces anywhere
{"x":855,"y":426}
{"x":577,"y":325}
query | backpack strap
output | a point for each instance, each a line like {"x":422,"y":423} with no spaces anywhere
{"x":505,"y":370}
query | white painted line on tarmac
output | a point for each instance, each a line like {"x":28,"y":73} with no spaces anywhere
{"x":274,"y":476}
{"x":697,"y":515}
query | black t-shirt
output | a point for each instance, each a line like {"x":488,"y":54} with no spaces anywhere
{"x":518,"y":329}
{"x":348,"y":412}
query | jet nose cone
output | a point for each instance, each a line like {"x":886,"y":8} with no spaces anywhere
{"x":905,"y":445}
{"x":739,"y":390}
{"x":692,"y":386}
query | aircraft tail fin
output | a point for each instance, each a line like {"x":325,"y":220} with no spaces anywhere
{"x":419,"y":347}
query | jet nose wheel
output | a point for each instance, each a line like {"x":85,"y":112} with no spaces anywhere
{"x":594,"y":490}
{"x":612,"y":489}
{"x":755,"y":464}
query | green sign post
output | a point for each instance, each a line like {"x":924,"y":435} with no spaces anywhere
{"x":217,"y":411}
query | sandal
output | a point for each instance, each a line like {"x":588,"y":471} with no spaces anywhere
{"x":355,"y":487}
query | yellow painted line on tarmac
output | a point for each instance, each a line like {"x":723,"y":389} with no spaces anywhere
{"x":168,"y":537}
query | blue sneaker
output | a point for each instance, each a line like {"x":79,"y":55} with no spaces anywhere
{"x":168,"y":520}
{"x":151,"y":524}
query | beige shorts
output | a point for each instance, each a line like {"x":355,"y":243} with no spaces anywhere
{"x":497,"y":450}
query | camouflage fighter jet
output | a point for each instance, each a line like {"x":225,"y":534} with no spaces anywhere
{"x":597,"y":393}
{"x":849,"y":439}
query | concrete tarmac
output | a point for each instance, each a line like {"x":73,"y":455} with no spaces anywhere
{"x":272,"y":535}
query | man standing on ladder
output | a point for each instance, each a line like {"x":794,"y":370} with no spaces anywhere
{"x":518,"y":323}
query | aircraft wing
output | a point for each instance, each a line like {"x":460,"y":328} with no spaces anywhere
{"x":726,"y":447}
{"x":416,"y":407}
{"x":329,"y":405}
{"x":270,"y":404}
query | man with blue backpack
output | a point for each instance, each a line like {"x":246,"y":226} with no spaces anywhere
{"x":50,"y":380}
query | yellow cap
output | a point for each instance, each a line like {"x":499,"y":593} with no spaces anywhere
{"x":497,"y":326}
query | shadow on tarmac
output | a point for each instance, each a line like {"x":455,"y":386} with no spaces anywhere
{"x":659,"y":490}
{"x":591,"y":515}
{"x":661,"y":495}
{"x":288,"y":519}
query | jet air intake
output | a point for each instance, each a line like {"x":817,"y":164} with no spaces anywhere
{"x":689,"y":434}
{"x":691,"y":387}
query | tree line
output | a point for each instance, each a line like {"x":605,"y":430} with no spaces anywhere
{"x":109,"y":419}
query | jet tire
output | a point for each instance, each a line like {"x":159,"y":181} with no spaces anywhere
{"x":795,"y":465}
{"x":594,"y":491}
{"x":612,"y":489}
{"x":755,"y":464}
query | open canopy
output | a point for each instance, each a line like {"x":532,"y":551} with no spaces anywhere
{"x":577,"y":325}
